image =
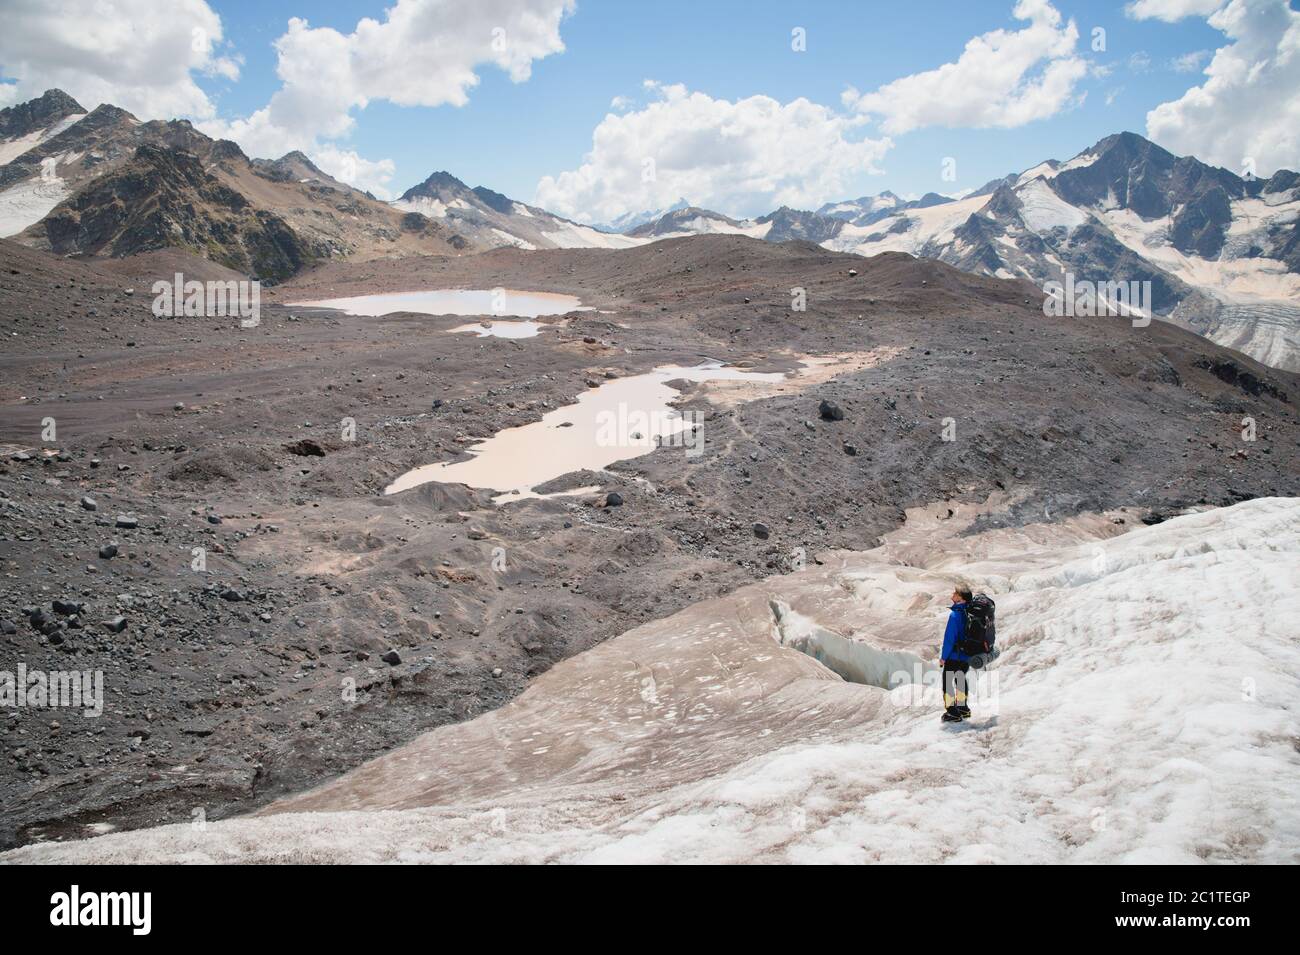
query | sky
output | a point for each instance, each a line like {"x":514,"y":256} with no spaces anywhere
{"x":597,"y":109}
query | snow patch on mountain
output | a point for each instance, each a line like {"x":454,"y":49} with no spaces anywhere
{"x":571,"y":235}
{"x":1043,"y":210}
{"x":911,"y":231}
{"x":13,"y":148}
{"x":29,"y":202}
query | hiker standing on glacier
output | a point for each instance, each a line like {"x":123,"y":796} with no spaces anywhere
{"x":955,"y":664}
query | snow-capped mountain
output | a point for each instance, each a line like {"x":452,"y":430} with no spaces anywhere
{"x":862,"y":210}
{"x":32,"y":123}
{"x":1222,"y":252}
{"x":490,"y":219}
{"x":695,"y":221}
{"x":105,"y":183}
{"x":630,"y":220}
{"x":869,"y":209}
{"x":783,"y":225}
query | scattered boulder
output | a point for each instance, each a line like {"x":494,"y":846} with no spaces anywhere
{"x":392,"y":658}
{"x":127,"y":522}
{"x":307,"y":448}
{"x":108,"y":551}
{"x":89,"y":504}
{"x":830,"y":411}
{"x":114,"y":624}
{"x":613,"y":499}
{"x":761,"y":530}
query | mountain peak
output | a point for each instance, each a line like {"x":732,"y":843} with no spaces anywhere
{"x":40,"y":113}
{"x":1132,"y":146}
{"x":434,"y":184}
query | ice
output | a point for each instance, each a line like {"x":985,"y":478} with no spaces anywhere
{"x":933,"y":224}
{"x":453,"y":302}
{"x":29,"y":202}
{"x":1145,"y":711}
{"x":1043,"y":210}
{"x":517,"y":329}
{"x":571,"y":235}
{"x":13,"y":148}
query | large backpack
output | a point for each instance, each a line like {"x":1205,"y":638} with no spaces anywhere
{"x":980,"y":626}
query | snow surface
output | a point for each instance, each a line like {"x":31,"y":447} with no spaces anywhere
{"x":1144,"y":712}
{"x":571,"y":235}
{"x":29,"y":202}
{"x":511,"y":239}
{"x":1233,"y":279}
{"x":13,"y":148}
{"x":934,"y":224}
{"x":1043,"y":170}
{"x":425,"y":205}
{"x":1043,"y":210}
{"x":708,"y":225}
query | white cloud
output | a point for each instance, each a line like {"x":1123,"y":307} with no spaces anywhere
{"x":423,"y":53}
{"x":737,"y":157}
{"x":1249,"y":106}
{"x":1140,"y":62}
{"x":125,"y":52}
{"x":1189,"y":62}
{"x":1004,"y":78}
{"x":1171,"y":11}
{"x":346,"y":166}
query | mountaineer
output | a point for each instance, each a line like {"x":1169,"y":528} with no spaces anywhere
{"x":967,"y":642}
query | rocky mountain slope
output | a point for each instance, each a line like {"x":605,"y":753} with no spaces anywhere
{"x":30,"y":124}
{"x":1222,"y":252}
{"x":105,"y":183}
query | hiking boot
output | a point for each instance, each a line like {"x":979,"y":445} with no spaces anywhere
{"x":950,"y":716}
{"x":963,"y":712}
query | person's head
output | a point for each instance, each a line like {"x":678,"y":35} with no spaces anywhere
{"x":961,"y":594}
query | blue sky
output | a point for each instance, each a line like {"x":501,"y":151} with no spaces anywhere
{"x":509,"y":135}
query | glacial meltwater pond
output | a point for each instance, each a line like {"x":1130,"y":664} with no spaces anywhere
{"x":454,"y":301}
{"x":623,"y":418}
{"x":520,"y":328}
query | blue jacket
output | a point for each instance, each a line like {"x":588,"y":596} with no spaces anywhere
{"x":954,"y":634}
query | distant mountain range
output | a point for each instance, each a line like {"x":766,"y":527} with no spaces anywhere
{"x":1222,"y":252}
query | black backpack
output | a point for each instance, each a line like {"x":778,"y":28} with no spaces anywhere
{"x":980,"y":626}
